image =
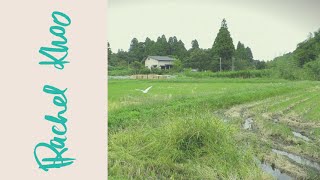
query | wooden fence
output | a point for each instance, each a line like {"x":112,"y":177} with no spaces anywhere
{"x":149,"y":76}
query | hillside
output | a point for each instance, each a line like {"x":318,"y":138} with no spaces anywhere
{"x":302,"y":63}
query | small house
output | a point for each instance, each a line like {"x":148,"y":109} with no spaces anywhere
{"x":162,"y":62}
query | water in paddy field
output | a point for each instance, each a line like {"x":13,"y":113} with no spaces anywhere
{"x":274,"y":172}
{"x":296,"y":134}
{"x":269,"y":169}
{"x":248,"y":124}
{"x":298,"y":159}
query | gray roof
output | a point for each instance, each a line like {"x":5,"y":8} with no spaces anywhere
{"x":161,"y":58}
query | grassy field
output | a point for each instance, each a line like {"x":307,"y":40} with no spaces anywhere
{"x":193,"y":128}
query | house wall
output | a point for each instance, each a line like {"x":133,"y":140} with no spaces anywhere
{"x":151,"y":62}
{"x":162,"y":63}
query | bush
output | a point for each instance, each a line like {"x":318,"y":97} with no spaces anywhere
{"x":119,"y":71}
{"x":145,"y":70}
{"x":230,"y":74}
{"x":312,"y":70}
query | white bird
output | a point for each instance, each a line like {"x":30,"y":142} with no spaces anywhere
{"x":145,"y":91}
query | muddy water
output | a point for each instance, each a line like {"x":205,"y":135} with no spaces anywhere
{"x":296,"y":134}
{"x":274,"y":172}
{"x":298,"y":159}
{"x":248,"y":124}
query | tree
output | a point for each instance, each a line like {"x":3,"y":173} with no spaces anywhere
{"x":259,"y":64}
{"x":240,"y":52}
{"x":109,"y":54}
{"x":136,"y":66}
{"x":136,"y":50}
{"x":223,"y":46}
{"x":287,"y":67}
{"x":199,"y":59}
{"x":109,"y":49}
{"x":249,"y":54}
{"x":177,"y":65}
{"x":313,"y":69}
{"x":123,"y":58}
{"x":134,"y":44}
{"x":194,"y":44}
{"x":162,"y":46}
{"x":243,"y":57}
{"x":173,"y":47}
{"x":149,"y":47}
{"x":181,"y":51}
{"x":309,"y":49}
{"x":302,"y":63}
{"x":172,"y":42}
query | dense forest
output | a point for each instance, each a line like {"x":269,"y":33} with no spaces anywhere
{"x":302,"y":63}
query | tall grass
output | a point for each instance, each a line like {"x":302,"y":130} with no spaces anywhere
{"x":193,"y":148}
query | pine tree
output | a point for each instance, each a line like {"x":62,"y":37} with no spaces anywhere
{"x":136,"y":50}
{"x":243,"y":57}
{"x":162,"y":46}
{"x":223,"y":46}
{"x":181,"y":50}
{"x":110,"y":63}
{"x":109,"y":52}
{"x":172,"y":43}
{"x":194,"y":44}
{"x":249,"y":54}
{"x":133,"y":45}
{"x":240,"y":52}
{"x":149,"y":47}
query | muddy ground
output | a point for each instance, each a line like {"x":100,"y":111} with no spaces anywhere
{"x":283,"y":131}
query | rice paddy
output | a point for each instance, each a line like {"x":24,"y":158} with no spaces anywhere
{"x":194,"y":129}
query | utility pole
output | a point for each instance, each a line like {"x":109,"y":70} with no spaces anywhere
{"x":232,"y":64}
{"x":220,"y":64}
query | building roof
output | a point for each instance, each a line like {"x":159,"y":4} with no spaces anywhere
{"x":161,"y":58}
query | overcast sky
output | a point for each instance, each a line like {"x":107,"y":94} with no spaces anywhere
{"x":269,"y":27}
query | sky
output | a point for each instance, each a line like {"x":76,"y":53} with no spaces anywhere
{"x":269,"y":27}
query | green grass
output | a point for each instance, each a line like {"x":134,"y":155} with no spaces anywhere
{"x":200,"y":148}
{"x":281,"y":106}
{"x":265,"y":73}
{"x":171,"y":132}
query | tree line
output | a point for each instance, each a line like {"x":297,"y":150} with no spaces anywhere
{"x":232,"y":58}
{"x":303,"y":63}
